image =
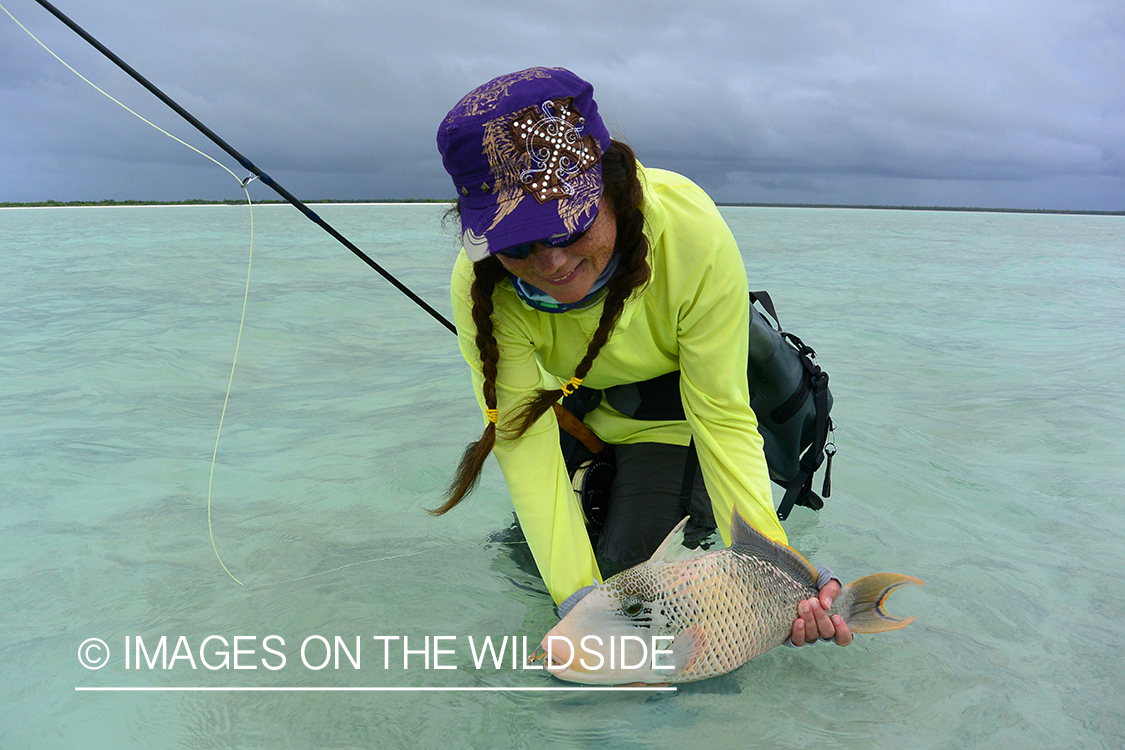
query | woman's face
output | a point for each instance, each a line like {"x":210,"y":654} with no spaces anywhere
{"x":568,"y":273}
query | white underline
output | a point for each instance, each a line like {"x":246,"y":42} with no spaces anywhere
{"x":367,"y":689}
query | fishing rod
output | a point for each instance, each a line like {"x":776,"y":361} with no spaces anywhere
{"x":259,"y":174}
{"x":566,"y":419}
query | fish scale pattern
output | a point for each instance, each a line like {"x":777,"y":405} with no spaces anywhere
{"x":736,"y":605}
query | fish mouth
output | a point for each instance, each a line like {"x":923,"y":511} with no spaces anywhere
{"x":607,"y":678}
{"x":555,"y":652}
{"x":538,"y":657}
{"x":598,"y":658}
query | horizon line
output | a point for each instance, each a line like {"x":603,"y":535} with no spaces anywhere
{"x":109,"y":203}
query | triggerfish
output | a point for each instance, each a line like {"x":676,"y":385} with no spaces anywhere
{"x":687,"y":615}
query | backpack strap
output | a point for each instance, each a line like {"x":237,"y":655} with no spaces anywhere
{"x":691,"y":466}
{"x":763,"y":298}
{"x":799,"y":491}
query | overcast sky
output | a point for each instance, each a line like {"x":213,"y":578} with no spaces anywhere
{"x":1011,"y":103}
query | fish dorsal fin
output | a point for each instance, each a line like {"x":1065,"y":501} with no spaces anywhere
{"x":748,"y":541}
{"x":672,"y":549}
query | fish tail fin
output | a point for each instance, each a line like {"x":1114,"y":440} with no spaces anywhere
{"x":860,"y":603}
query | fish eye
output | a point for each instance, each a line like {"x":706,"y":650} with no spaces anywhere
{"x":634,"y":608}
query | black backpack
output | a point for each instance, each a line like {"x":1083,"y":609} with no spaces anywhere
{"x":788,"y":393}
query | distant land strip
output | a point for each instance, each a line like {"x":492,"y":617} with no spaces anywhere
{"x":237,"y":202}
{"x":929,"y":208}
{"x":201,"y":202}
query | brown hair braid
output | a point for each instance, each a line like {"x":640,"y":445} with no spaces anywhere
{"x":622,"y":187}
{"x":488,"y":273}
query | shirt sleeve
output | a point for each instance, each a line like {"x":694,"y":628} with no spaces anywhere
{"x":712,"y":334}
{"x":533,"y":466}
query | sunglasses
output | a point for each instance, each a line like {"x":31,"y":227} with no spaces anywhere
{"x":522,"y":252}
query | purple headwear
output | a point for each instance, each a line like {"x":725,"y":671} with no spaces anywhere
{"x":524,"y":151}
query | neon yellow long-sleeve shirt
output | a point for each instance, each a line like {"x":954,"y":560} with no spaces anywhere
{"x":693,"y":316}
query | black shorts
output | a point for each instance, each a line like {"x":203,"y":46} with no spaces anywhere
{"x":655,"y":486}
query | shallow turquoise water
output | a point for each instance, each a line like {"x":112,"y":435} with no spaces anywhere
{"x":976,"y":361}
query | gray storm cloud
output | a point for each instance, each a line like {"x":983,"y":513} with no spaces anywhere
{"x":956,"y":103}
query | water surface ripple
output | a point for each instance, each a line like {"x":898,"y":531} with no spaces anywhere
{"x":976,"y":362}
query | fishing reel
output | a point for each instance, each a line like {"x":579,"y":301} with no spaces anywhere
{"x":592,"y":481}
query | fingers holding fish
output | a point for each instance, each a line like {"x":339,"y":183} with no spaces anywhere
{"x":840,"y":630}
{"x":821,"y":626}
{"x":814,"y":623}
{"x":843,"y":632}
{"x":806,"y":628}
{"x":828,"y":593}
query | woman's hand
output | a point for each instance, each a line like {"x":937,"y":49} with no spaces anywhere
{"x":813,"y":622}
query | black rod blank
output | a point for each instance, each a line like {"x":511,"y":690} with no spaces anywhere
{"x":277,"y":188}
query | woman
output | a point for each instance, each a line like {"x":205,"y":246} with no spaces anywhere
{"x":580,"y":267}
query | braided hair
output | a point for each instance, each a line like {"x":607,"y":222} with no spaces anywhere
{"x":622,"y":187}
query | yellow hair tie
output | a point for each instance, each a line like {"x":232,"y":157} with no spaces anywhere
{"x":571,"y":386}
{"x":493,"y":415}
